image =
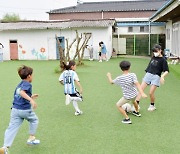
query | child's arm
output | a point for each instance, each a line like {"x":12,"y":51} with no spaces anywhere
{"x":162,"y":77}
{"x":140,"y":90}
{"x":34,"y":96}
{"x":110,"y":78}
{"x":25,"y":96}
{"x":79,"y":85}
{"x":61,"y":82}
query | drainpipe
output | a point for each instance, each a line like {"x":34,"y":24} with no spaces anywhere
{"x":149,"y":38}
{"x":134,"y":44}
{"x":102,"y":14}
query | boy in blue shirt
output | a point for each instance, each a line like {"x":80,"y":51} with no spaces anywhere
{"x":22,"y":108}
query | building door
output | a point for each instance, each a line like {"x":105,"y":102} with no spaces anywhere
{"x":13,"y":49}
{"x":62,"y":44}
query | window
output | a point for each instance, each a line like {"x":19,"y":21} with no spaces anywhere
{"x":130,"y":29}
{"x":142,"y":29}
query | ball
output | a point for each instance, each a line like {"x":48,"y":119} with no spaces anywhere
{"x":127,"y":107}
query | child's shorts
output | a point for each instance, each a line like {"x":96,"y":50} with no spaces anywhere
{"x":123,"y":101}
{"x":152,"y":79}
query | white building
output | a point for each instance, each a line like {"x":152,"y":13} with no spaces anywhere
{"x":170,"y":13}
{"x":36,"y":40}
{"x":137,"y":36}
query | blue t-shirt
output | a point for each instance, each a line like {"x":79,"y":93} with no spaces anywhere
{"x":19,"y":102}
{"x":103,"y":49}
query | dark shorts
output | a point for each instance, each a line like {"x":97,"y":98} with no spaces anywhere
{"x":99,"y":53}
{"x":76,"y":95}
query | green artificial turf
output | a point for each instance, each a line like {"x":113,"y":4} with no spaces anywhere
{"x":99,"y":130}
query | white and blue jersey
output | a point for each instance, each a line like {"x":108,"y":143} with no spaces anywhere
{"x":68,"y":77}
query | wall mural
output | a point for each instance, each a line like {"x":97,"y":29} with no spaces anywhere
{"x":40,"y":55}
{"x":22,"y":52}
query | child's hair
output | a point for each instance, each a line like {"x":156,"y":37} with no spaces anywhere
{"x":156,"y":48}
{"x":68,"y":66}
{"x":100,"y":43}
{"x":124,"y":65}
{"x":24,"y":71}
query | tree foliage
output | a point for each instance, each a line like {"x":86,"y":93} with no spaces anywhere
{"x":10,"y":17}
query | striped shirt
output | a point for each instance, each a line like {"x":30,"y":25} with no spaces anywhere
{"x":126,"y":81}
{"x":68,"y":77}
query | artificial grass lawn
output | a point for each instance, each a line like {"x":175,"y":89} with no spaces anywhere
{"x":99,"y":130}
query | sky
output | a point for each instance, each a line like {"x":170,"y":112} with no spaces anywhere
{"x":36,"y":9}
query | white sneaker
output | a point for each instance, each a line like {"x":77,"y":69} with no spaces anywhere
{"x":3,"y":150}
{"x":100,"y":61}
{"x":68,"y":99}
{"x":151,"y":108}
{"x":33,"y":142}
{"x":78,"y":113}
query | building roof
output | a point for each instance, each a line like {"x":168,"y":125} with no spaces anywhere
{"x":27,"y":25}
{"x":113,"y":6}
{"x":168,"y":11}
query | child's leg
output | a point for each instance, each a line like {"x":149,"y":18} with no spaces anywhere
{"x":11,"y":131}
{"x":119,"y":106}
{"x":76,"y":107}
{"x":33,"y":124}
{"x":151,"y":93}
{"x":135,"y":106}
{"x":143,"y":86}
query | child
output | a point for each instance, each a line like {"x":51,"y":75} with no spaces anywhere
{"x":68,"y":78}
{"x":22,"y":108}
{"x":153,"y":77}
{"x":127,"y":81}
{"x":99,"y":53}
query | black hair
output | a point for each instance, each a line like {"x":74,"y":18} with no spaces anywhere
{"x":24,"y":71}
{"x":156,"y":48}
{"x":124,"y":65}
{"x":100,"y":43}
{"x":68,"y":66}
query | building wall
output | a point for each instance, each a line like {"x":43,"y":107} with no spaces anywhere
{"x":41,"y":44}
{"x":100,"y":15}
{"x":98,"y":35}
{"x":136,"y":30}
{"x":136,"y":42}
{"x":32,"y":44}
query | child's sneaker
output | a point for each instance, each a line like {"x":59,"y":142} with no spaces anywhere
{"x":68,"y":100}
{"x":127,"y":121}
{"x":151,"y":108}
{"x":33,"y":142}
{"x":137,"y":114}
{"x":3,"y":150}
{"x":78,"y":113}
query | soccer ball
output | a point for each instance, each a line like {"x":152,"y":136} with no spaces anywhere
{"x":127,"y":107}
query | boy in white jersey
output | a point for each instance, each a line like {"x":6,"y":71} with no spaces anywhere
{"x":128,"y":82}
{"x":68,"y":78}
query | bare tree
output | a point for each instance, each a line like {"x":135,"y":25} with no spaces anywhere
{"x":80,"y":47}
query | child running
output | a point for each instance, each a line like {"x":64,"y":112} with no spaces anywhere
{"x":68,"y":78}
{"x":154,"y":75}
{"x":128,"y":82}
{"x":22,"y":109}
